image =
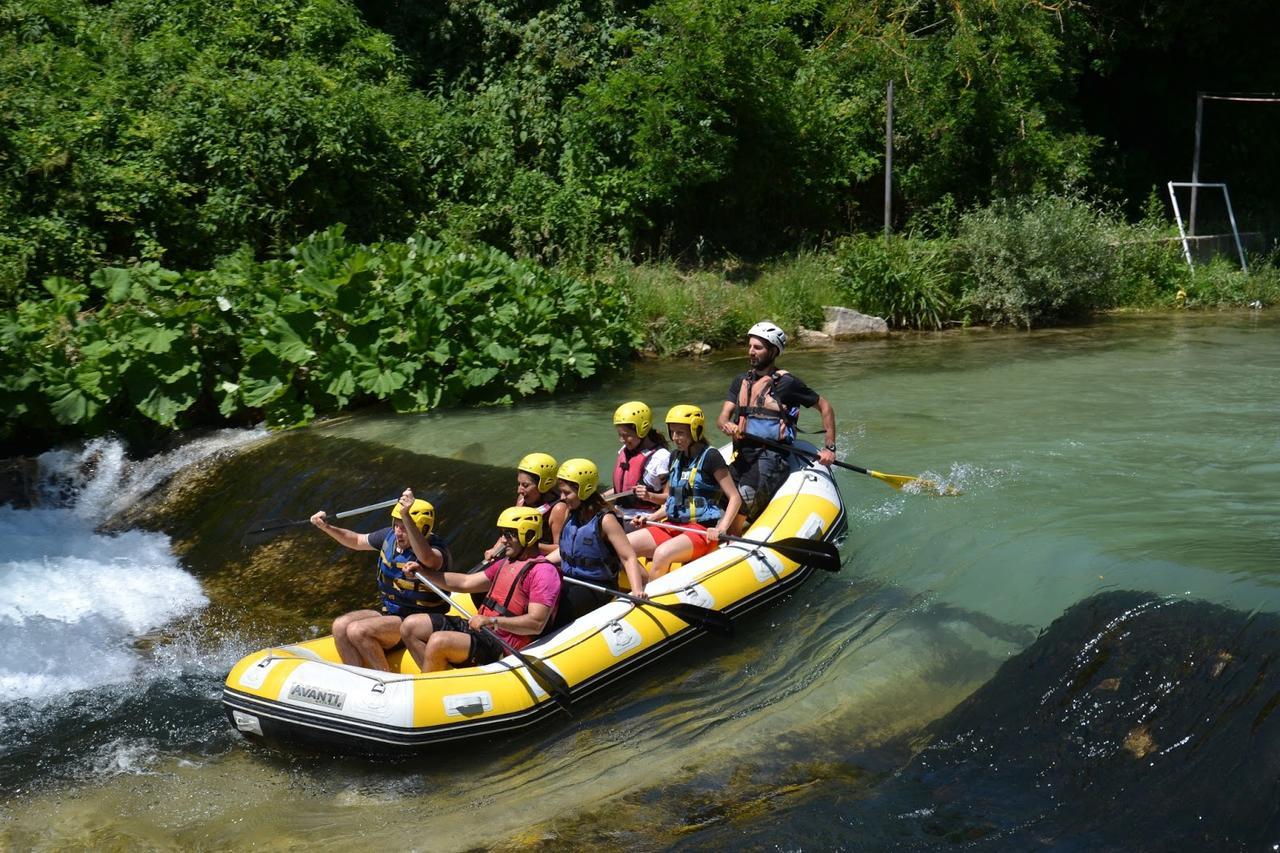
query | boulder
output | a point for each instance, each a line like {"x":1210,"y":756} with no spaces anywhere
{"x":18,"y":478}
{"x":847,"y":323}
{"x":812,"y":338}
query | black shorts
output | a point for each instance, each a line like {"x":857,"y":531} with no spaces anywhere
{"x":759,"y":472}
{"x":578,"y":601}
{"x":485,"y":647}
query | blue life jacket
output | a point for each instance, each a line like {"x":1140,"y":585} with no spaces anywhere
{"x":400,"y":595}
{"x":585,"y":552}
{"x":694,"y":495}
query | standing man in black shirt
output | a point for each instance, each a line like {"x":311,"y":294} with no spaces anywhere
{"x":765,"y":402}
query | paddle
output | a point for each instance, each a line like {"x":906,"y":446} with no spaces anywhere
{"x":550,"y":681}
{"x":808,"y":552}
{"x":896,"y":480}
{"x":712,"y":620}
{"x":611,"y":496}
{"x":360,"y":510}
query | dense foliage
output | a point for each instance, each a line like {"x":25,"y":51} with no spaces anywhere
{"x":177,"y":132}
{"x":162,"y":163}
{"x":416,"y":324}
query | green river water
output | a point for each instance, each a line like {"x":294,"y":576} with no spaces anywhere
{"x":1137,"y":453}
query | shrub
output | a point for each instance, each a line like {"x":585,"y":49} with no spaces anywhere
{"x":676,"y":309}
{"x":417,"y":324}
{"x":1222,"y":284}
{"x":903,"y":279}
{"x":1035,"y":261}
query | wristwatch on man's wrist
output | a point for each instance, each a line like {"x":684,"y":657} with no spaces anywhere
{"x":830,"y":447}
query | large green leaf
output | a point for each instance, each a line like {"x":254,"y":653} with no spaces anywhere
{"x":227,"y":394}
{"x":286,"y":339}
{"x":257,"y":392}
{"x":500,"y":352}
{"x":165,"y":403}
{"x":478,"y":377}
{"x":380,"y":381}
{"x":527,"y":383}
{"x":263,"y":379}
{"x":71,"y":405}
{"x":154,"y":339}
{"x":67,"y":294}
{"x":116,"y":282}
{"x":342,"y":387}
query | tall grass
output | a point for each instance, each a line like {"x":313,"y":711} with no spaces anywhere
{"x":904,"y":279}
{"x":676,"y":309}
{"x":1222,"y":284}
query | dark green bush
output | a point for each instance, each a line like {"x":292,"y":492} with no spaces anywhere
{"x":178,"y":131}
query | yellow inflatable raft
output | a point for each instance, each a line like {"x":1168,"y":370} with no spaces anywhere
{"x":302,"y":693}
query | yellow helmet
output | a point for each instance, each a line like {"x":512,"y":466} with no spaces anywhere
{"x":422,"y":513}
{"x":525,"y":521}
{"x":691,"y":415}
{"x":583,"y":473}
{"x":636,"y":414}
{"x":542,"y":467}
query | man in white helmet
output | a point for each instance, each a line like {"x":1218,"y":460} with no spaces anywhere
{"x":765,"y":401}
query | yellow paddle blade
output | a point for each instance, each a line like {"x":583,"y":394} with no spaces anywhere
{"x":916,"y":484}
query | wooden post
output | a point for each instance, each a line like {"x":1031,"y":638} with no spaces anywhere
{"x":1195,"y":164}
{"x":888,"y":161}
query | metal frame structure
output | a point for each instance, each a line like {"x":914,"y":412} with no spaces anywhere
{"x":1177,"y":213}
{"x":1201,"y":97}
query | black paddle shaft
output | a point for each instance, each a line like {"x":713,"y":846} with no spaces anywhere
{"x":712,"y":620}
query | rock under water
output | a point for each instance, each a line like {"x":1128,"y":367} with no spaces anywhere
{"x":1132,"y":723}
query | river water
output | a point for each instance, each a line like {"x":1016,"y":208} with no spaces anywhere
{"x":1132,"y":454}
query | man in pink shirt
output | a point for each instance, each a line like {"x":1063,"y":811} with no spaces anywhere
{"x":522,"y":590}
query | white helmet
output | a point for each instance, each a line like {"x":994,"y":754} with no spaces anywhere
{"x":770,"y":334}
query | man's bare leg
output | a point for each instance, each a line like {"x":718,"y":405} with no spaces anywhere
{"x":341,"y":626}
{"x":372,"y":637}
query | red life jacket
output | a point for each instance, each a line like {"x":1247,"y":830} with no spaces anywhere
{"x":545,"y":508}
{"x":508,"y":598}
{"x":628,"y":472}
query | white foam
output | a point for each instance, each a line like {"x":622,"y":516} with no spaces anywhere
{"x":99,"y":480}
{"x":73,"y":600}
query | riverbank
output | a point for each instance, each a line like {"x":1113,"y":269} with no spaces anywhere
{"x":1035,"y":262}
{"x":146,"y":353}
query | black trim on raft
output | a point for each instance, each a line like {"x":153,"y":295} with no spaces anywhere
{"x":287,"y":723}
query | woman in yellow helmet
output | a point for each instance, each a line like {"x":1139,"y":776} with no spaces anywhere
{"x":640,"y":473}
{"x":700,"y":483}
{"x":593,"y":545}
{"x":536,"y":487}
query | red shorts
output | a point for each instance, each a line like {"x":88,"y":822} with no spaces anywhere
{"x":701,"y":544}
